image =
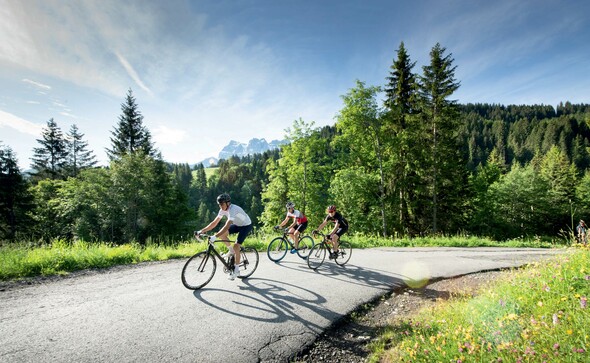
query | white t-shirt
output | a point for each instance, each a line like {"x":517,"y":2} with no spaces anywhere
{"x":235,"y":214}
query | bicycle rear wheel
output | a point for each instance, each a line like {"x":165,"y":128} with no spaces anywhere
{"x":344,"y":253}
{"x":248,"y":261}
{"x":305,"y":245}
{"x":198,"y":270}
{"x":277,"y":249}
{"x":316,"y":256}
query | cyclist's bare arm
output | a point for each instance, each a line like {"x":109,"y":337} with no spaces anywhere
{"x":322,"y":225}
{"x":223,"y":231}
{"x":284,"y":221}
{"x":211,"y":225}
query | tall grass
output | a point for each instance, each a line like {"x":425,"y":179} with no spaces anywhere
{"x":537,"y":314}
{"x":61,"y":257}
{"x":26,"y":260}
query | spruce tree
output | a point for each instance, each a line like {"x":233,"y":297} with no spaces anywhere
{"x":50,"y":159}
{"x":79,"y":157}
{"x":131,"y":136}
{"x":401,"y":104}
{"x":15,"y":199}
{"x":437,"y":84}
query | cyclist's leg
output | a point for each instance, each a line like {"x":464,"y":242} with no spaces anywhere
{"x":296,"y":237}
{"x":291,"y":233}
{"x":298,"y":230}
{"x":242,"y":232}
{"x":336,"y":237}
{"x":225,"y":236}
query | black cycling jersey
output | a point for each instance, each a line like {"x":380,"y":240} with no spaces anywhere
{"x":338,"y":217}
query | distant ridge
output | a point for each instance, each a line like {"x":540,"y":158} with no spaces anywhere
{"x":240,"y":149}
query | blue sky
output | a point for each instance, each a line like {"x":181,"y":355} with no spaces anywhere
{"x":207,"y":72}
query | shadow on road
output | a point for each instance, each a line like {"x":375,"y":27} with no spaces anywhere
{"x":273,"y":301}
{"x":352,"y":274}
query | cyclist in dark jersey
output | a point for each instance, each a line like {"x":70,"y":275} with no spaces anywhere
{"x":297,"y":227}
{"x":340,"y":227}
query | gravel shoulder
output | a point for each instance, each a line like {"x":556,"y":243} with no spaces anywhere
{"x":347,"y":340}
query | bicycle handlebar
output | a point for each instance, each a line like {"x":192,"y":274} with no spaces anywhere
{"x":325,"y":236}
{"x":204,"y":236}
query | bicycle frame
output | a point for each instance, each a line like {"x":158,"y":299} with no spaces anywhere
{"x":200,"y":268}
{"x":278,"y":246}
{"x":326,"y":241}
{"x":212,"y":252}
{"x":318,"y":252}
{"x":286,"y":235}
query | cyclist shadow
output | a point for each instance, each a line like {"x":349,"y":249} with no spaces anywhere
{"x":269,"y":301}
{"x":272,"y":301}
{"x":357,"y":275}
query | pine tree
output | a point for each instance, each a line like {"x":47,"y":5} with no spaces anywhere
{"x":401,"y":87}
{"x":79,"y":157}
{"x":15,"y":198}
{"x":401,"y":104}
{"x":50,"y":159}
{"x":437,"y":84}
{"x":131,"y":136}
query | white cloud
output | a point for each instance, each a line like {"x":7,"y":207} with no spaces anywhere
{"x":132,"y":73}
{"x":37,"y":84}
{"x":165,"y":135}
{"x":19,"y":124}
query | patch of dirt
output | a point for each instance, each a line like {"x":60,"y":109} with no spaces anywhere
{"x":347,"y":340}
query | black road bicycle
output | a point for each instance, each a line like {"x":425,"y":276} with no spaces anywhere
{"x":317,"y":255}
{"x":199,"y":269}
{"x":278,"y":247}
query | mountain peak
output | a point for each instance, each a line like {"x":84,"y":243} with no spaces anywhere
{"x":240,"y":149}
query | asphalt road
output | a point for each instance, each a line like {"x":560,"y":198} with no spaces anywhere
{"x":143,"y":313}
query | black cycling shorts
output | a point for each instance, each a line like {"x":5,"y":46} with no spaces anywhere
{"x":300,"y":227}
{"x":340,"y":231}
{"x":242,"y":231}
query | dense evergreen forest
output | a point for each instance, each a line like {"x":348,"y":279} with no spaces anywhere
{"x":414,"y":163}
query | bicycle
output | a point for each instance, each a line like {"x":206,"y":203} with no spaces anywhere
{"x":278,"y":247}
{"x":317,"y":255}
{"x":200,"y":268}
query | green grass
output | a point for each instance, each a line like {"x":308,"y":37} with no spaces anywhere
{"x":535,"y":314}
{"x":21,"y":260}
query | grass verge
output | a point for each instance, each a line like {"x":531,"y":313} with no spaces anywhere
{"x":22,"y":260}
{"x":535,"y":314}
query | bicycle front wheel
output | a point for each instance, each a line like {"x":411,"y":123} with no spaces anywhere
{"x":316,"y":256}
{"x":305,"y":245}
{"x":277,"y":249}
{"x":344,"y":253}
{"x":198,"y":270}
{"x":248,"y":261}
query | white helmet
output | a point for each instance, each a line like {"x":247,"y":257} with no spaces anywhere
{"x":290,"y":205}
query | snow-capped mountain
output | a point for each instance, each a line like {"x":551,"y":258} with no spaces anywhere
{"x":254,"y":146}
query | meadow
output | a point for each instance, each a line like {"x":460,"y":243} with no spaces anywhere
{"x":535,"y":314}
{"x":27,"y":259}
{"x":538,"y":313}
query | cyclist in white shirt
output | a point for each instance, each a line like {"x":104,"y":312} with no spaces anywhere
{"x":237,"y":222}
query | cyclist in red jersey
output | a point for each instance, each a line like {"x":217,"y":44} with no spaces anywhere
{"x":297,"y":227}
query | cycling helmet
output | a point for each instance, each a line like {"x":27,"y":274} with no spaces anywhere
{"x":223,"y":198}
{"x":290,"y":205}
{"x":331,"y":208}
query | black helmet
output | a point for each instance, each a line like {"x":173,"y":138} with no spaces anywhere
{"x":290,"y":205}
{"x":223,"y":198}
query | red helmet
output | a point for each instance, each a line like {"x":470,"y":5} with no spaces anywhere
{"x":331,"y":208}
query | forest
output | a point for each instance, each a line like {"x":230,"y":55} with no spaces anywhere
{"x":402,"y":159}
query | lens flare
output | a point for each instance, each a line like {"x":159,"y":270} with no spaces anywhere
{"x":416,"y":274}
